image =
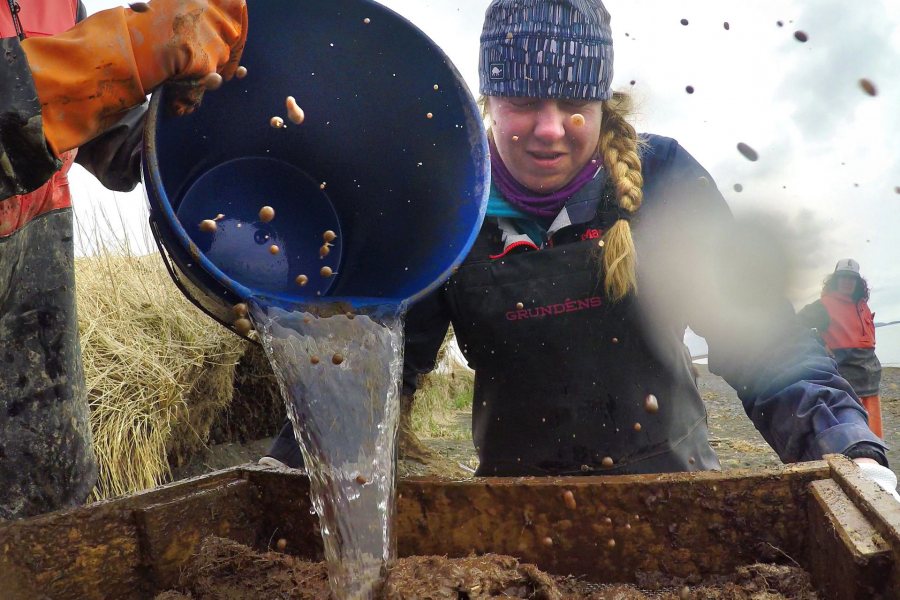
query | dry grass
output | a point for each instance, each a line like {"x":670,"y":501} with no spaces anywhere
{"x":444,"y":400}
{"x":157,"y":370}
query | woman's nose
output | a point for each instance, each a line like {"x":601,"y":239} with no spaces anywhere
{"x":550,"y":123}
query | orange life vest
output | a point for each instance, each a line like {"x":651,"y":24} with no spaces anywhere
{"x":852,"y":323}
{"x":38,"y":18}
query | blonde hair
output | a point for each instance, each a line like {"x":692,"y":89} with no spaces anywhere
{"x":619,"y":148}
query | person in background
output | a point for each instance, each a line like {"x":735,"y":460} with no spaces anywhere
{"x":75,"y":93}
{"x":846,"y":325}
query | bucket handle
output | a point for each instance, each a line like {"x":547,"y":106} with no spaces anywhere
{"x":178,"y":283}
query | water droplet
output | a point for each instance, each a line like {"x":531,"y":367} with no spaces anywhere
{"x":266,"y":214}
{"x":294,"y":112}
{"x":243,"y":326}
{"x":747,"y":152}
{"x":868,"y":87}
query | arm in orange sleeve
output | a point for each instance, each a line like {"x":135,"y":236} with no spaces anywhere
{"x":87,"y":77}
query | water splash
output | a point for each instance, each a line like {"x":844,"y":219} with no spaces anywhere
{"x":345,"y":415}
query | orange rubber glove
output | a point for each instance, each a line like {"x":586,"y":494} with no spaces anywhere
{"x":86,"y":77}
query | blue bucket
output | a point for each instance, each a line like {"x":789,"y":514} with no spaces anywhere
{"x":392,"y":157}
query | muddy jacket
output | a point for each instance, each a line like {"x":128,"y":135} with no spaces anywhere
{"x":567,"y":382}
{"x":46,"y":460}
{"x":848,"y":331}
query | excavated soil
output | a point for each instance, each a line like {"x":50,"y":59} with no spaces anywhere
{"x":226,"y":570}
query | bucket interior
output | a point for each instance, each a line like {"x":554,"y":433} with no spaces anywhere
{"x":391,"y":155}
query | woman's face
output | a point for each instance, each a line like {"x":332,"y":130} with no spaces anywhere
{"x":539,"y":141}
{"x":846,"y":284}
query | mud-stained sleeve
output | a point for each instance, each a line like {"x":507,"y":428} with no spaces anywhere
{"x":26,"y":161}
{"x":426,"y":326}
{"x":114,"y":157}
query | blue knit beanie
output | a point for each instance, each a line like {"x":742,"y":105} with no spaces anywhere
{"x":547,"y":49}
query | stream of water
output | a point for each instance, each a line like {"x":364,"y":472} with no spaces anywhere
{"x":339,"y":373}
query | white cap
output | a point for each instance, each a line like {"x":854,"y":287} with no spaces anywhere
{"x":847,"y":265}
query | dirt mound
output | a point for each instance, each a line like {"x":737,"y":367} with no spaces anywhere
{"x":487,"y":576}
{"x":257,"y":409}
{"x":226,"y":570}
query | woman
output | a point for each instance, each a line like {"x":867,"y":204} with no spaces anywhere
{"x":577,"y":368}
{"x":579,"y":361}
{"x":847,"y":328}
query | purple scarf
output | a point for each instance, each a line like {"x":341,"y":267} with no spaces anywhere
{"x":542,"y":206}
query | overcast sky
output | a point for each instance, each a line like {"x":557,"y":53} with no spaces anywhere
{"x":829,"y":156}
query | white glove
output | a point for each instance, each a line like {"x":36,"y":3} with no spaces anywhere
{"x":882,"y":476}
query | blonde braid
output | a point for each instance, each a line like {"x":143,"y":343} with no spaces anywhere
{"x":619,"y":147}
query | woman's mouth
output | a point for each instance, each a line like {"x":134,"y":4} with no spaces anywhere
{"x":546,"y":159}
